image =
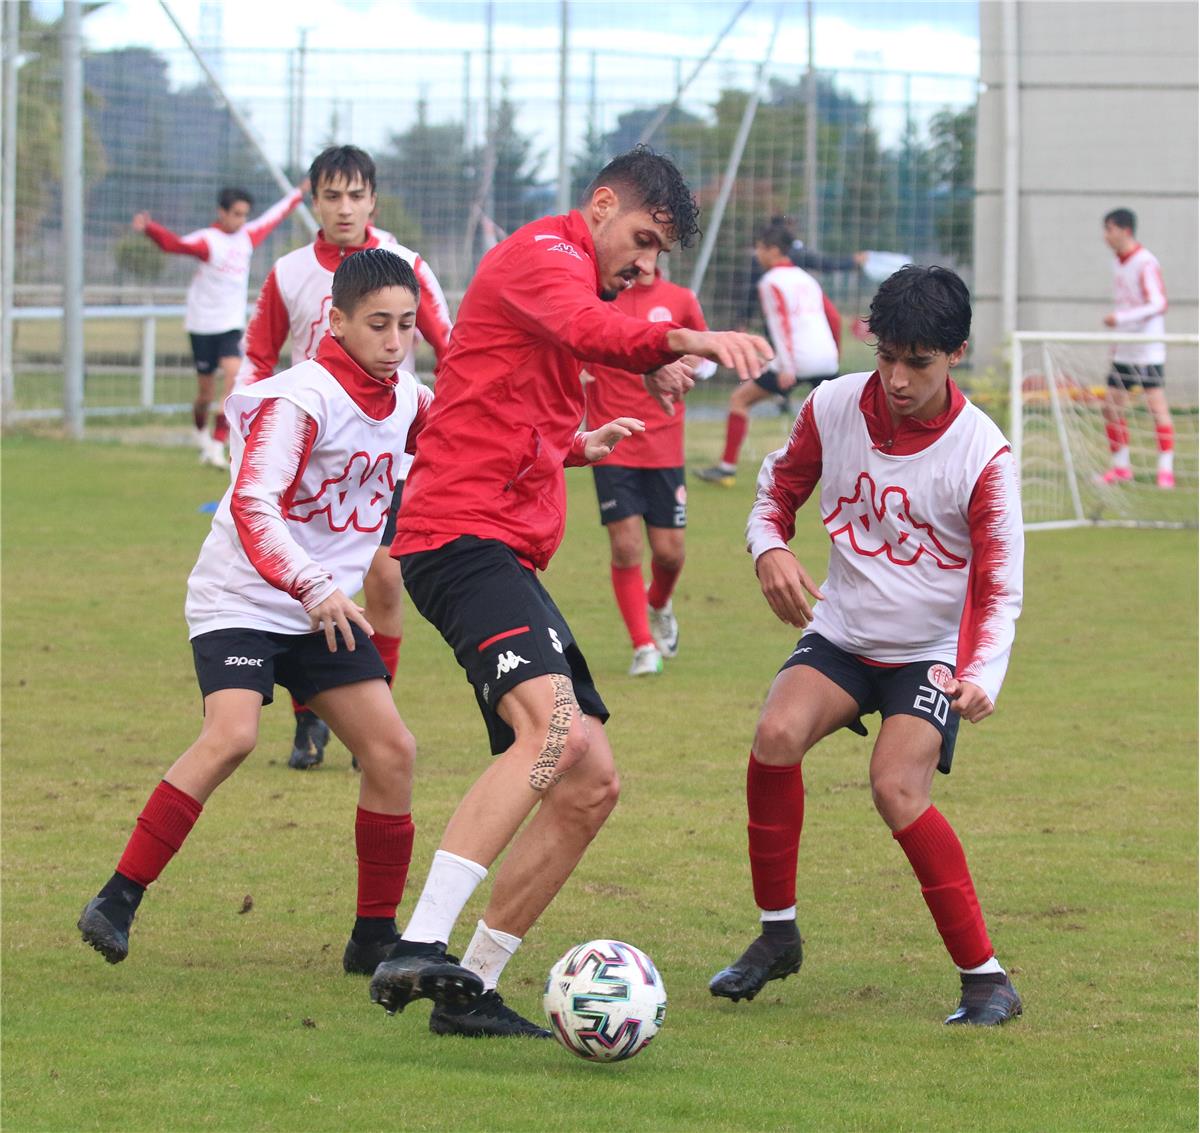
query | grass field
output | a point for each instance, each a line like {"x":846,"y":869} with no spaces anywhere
{"x":1076,"y":802}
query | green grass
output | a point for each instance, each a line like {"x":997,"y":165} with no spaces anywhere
{"x":1076,"y":802}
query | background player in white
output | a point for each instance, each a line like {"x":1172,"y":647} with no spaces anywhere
{"x":919,"y":496}
{"x":1139,"y":304}
{"x":216,"y":297}
{"x":804,"y":328}
{"x":295,"y":301}
{"x":314,"y":455}
{"x":642,"y":481}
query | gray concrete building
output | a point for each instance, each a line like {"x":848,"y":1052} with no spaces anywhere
{"x":1105,"y":116}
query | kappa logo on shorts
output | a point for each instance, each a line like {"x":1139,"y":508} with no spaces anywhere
{"x":940,"y":677}
{"x":506,"y":662}
{"x":237,"y":662}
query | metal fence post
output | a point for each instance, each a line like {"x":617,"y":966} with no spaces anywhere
{"x":72,"y":216}
{"x":149,"y":328}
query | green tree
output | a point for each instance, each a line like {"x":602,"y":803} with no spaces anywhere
{"x":515,"y":180}
{"x":952,"y":159}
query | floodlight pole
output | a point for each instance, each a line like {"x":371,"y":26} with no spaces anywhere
{"x":281,"y":178}
{"x":8,"y":205}
{"x":71,"y":40}
{"x":564,"y":165}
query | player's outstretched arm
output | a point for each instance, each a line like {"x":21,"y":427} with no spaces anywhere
{"x":333,"y":615}
{"x":787,"y":586}
{"x":969,"y":701}
{"x":746,"y":354}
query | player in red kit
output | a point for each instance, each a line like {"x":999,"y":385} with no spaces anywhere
{"x":314,"y":454}
{"x":484,"y":511}
{"x":643,"y":481}
{"x":918,"y":493}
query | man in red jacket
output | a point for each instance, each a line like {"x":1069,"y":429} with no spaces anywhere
{"x":484,"y":509}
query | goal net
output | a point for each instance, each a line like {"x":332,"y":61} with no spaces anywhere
{"x":1060,"y":434}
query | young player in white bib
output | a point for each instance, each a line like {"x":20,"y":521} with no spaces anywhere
{"x":315,"y":452}
{"x":919,"y":497}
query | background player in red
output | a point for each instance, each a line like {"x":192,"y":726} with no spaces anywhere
{"x":1139,"y":306}
{"x":216,"y":297}
{"x":484,"y":510}
{"x":919,"y":496}
{"x":295,"y":301}
{"x":805,"y":330}
{"x":268,"y":602}
{"x":643,"y":479}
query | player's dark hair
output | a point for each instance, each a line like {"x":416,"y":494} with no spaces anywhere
{"x":922,"y":306}
{"x":777,"y":233}
{"x":342,"y":161}
{"x":1122,"y":218}
{"x":370,"y":270}
{"x":649,"y":180}
{"x":230,"y":195}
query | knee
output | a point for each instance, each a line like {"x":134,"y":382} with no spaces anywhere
{"x":898,"y":799}
{"x":776,"y":741}
{"x":587,"y":803}
{"x":227,"y":744}
{"x":671,"y":560}
{"x":391,"y":755}
{"x":626,"y":552}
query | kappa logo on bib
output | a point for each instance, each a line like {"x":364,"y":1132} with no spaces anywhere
{"x":359,"y":497}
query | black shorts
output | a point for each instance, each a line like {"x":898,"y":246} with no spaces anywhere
{"x":258,"y":660}
{"x":502,"y":625}
{"x":209,"y":349}
{"x":658,"y":494}
{"x":769,"y":380}
{"x":1128,"y":375}
{"x":907,"y":690}
{"x":389,"y":528}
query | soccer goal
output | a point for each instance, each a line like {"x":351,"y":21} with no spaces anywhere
{"x":1061,"y":442}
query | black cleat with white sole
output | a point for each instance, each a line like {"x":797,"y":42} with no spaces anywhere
{"x":423,"y":971}
{"x":103,"y":925}
{"x":774,"y":955}
{"x":987,"y":1001}
{"x":489,"y":1017}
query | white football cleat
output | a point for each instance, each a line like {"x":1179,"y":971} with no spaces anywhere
{"x":665,"y":630}
{"x":647,"y":661}
{"x":214,"y":454}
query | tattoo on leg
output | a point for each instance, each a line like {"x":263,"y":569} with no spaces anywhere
{"x":542,"y":775}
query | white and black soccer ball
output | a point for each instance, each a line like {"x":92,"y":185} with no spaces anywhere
{"x":605,"y":1000}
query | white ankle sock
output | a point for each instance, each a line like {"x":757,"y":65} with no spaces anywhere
{"x":1166,"y":461}
{"x":448,"y":887}
{"x":489,"y":950}
{"x":987,"y":968}
{"x":788,"y":914}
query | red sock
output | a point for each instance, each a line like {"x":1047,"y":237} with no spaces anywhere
{"x":221,"y":428}
{"x":1166,"y":437}
{"x":1118,"y":434}
{"x":630,"y":590}
{"x":775,"y":804}
{"x":297,"y":707}
{"x":389,"y":650}
{"x":938,"y":861}
{"x":662,"y":584}
{"x":736,"y":427}
{"x":384,"y":843}
{"x":165,"y":821}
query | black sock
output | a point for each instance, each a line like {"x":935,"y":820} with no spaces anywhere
{"x":375,"y":930}
{"x":120,"y":898}
{"x":984,"y":977}
{"x":780,"y":928}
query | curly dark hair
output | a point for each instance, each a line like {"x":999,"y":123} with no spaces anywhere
{"x":370,"y":270}
{"x":922,"y":306}
{"x":652,"y":181}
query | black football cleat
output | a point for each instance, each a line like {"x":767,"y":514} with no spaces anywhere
{"x":107,"y":936}
{"x":772,"y":956}
{"x":361,"y":959}
{"x":423,"y":971}
{"x":488,"y":1017}
{"x":308,"y":748}
{"x":987,"y":1001}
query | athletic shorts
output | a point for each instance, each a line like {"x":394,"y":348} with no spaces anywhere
{"x":389,"y":528}
{"x":502,"y":625}
{"x":658,"y":494}
{"x":209,"y":349}
{"x":915,"y":689}
{"x":769,"y":380}
{"x":258,"y":660}
{"x":1127,"y":375}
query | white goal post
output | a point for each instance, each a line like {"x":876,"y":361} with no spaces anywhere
{"x":1057,"y":390}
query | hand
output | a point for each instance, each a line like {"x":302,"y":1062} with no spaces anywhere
{"x":743,"y":353}
{"x":969,"y":701}
{"x":139,"y":221}
{"x":669,"y":383}
{"x":784,"y":582}
{"x":785,"y":380}
{"x":860,"y":258}
{"x":1110,"y":320}
{"x":336,"y":613}
{"x":600,"y":442}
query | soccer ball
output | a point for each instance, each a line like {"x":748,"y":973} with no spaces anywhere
{"x":605,"y":1000}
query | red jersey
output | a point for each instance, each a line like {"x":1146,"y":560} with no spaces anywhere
{"x":620,"y":393}
{"x":509,"y":401}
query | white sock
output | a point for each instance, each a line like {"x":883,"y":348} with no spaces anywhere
{"x":1120,"y":458}
{"x":448,"y":887}
{"x":489,"y":950}
{"x":1166,"y":461}
{"x":777,"y":914}
{"x":987,"y":968}
{"x":724,"y":466}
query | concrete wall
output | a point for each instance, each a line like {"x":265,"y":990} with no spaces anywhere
{"x":1108,"y":118}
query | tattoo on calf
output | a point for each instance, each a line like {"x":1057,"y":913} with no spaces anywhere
{"x":542,"y":774}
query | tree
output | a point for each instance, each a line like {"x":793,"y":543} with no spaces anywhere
{"x":952,"y":158}
{"x":515,"y":180}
